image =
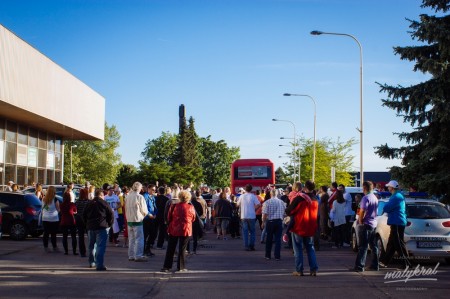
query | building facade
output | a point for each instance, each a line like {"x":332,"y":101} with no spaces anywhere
{"x":41,"y":105}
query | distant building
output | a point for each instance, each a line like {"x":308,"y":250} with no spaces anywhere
{"x":376,"y":177}
{"x":41,"y":105}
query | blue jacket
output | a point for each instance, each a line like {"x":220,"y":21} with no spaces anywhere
{"x":151,"y":206}
{"x":396,"y":209}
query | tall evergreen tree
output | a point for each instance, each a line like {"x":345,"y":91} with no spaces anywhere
{"x":426,"y":106}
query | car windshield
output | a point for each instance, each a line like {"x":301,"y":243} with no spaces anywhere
{"x":426,"y":211}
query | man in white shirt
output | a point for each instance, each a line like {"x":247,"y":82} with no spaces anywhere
{"x":248,"y":204}
{"x":349,"y":216}
{"x":9,"y":186}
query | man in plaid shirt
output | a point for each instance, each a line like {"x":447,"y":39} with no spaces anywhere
{"x":273,"y":212}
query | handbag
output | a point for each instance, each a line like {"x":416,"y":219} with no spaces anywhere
{"x":200,"y":222}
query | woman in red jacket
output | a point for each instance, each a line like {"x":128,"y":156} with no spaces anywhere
{"x":180,"y":218}
{"x":68,"y":210}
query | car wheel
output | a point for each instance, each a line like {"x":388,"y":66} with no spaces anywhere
{"x":380,"y":246}
{"x":18,"y":231}
{"x":354,"y":241}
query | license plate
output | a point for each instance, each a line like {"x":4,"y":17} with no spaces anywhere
{"x":428,"y":244}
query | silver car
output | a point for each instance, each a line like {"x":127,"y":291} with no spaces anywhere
{"x":427,"y":232}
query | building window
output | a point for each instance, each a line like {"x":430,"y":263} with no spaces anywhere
{"x":10,"y":173}
{"x":22,"y":136}
{"x":11,"y":131}
{"x":2,"y":152}
{"x":31,"y":175}
{"x":51,"y":143}
{"x":41,"y":176}
{"x":2,"y":129}
{"x":42,"y":140}
{"x":21,"y":171}
{"x":58,"y":178}
{"x":10,"y":152}
{"x":50,"y":177}
{"x":32,"y":156}
{"x":58,"y":161}
{"x":50,"y":160}
{"x":58,"y":143}
{"x":22,"y":155}
{"x":42,"y":158}
{"x":33,"y":138}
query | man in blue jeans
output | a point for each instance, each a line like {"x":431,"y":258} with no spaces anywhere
{"x":272,"y":217}
{"x":248,"y":204}
{"x":303,"y":210}
{"x":367,"y":222}
{"x":98,"y":218}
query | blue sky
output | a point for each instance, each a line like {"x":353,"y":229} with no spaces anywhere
{"x":229,"y":62}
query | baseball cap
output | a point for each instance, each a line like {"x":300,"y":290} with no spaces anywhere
{"x":10,"y":182}
{"x":393,"y":184}
{"x":241,"y":189}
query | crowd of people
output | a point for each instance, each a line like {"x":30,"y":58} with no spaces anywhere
{"x":150,"y":216}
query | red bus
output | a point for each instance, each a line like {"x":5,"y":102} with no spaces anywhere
{"x":257,"y":172}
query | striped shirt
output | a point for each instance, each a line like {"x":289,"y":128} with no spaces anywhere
{"x":274,"y":208}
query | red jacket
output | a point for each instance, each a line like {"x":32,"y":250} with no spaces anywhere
{"x":68,"y":209}
{"x":305,"y":216}
{"x":180,"y":218}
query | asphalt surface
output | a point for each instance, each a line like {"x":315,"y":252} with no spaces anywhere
{"x":220,"y":269}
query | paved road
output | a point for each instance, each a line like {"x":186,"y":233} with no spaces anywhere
{"x":221,"y":269}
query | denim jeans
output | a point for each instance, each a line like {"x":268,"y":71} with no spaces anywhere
{"x":248,"y":227}
{"x":222,"y":226}
{"x":274,"y":230}
{"x":366,"y":236}
{"x":308,"y":242}
{"x":135,"y":242}
{"x":97,"y":246}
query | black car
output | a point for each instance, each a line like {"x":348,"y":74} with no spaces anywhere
{"x":20,"y":215}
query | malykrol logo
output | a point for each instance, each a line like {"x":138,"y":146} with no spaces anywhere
{"x":416,"y":274}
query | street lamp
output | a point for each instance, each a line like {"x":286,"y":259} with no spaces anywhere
{"x":360,"y":129}
{"x":292,"y":162}
{"x":71,"y":148}
{"x":299,"y":160}
{"x":295,"y":133}
{"x":314,"y":146}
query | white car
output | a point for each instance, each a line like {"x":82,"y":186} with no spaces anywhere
{"x":427,"y":232}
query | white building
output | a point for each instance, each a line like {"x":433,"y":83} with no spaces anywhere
{"x":41,"y":105}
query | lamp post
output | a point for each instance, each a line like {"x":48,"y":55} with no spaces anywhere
{"x":360,"y":129}
{"x":292,"y":161}
{"x":299,"y":161}
{"x":71,"y":148}
{"x":295,"y":133}
{"x":314,"y":142}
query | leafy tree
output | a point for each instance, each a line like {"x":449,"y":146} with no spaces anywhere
{"x":94,"y":161}
{"x":426,"y":106}
{"x":281,"y":177}
{"x":216,"y":159}
{"x":161,"y":149}
{"x":329,"y":153}
{"x":127,"y":175}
